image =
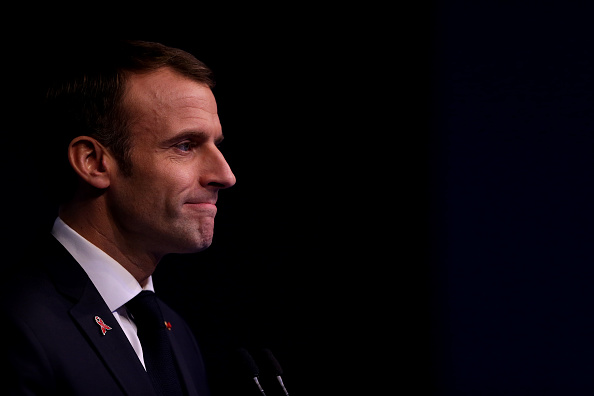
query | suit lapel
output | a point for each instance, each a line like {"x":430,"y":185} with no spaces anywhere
{"x":113,"y":347}
{"x":187,"y":377}
{"x":181,"y":343}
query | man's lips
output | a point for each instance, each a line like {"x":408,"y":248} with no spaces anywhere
{"x":198,"y":201}
{"x":203,"y":205}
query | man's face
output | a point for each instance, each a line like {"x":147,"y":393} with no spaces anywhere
{"x":167,"y":205}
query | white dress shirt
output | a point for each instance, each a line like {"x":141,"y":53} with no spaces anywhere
{"x":115,"y":284}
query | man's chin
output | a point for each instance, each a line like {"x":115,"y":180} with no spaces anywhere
{"x":202,"y":247}
{"x":192,"y":240}
{"x":198,"y":246}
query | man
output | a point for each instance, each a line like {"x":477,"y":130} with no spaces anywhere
{"x":142,"y":132}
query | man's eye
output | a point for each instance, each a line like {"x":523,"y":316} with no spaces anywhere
{"x":185,"y":146}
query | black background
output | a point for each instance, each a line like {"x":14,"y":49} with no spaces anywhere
{"x":310,"y":255}
{"x":413,"y":205}
{"x":513,"y":196}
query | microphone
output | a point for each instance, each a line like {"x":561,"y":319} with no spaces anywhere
{"x":252,"y":366}
{"x":278,"y":371}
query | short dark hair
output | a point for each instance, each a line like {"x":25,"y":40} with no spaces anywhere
{"x":85,"y":94}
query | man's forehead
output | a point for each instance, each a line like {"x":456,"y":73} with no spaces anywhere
{"x":167,"y":88}
{"x":163,"y":104}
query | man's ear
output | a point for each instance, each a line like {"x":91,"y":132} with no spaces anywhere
{"x":91,"y":161}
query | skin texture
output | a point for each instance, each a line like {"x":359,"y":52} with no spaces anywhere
{"x":168,"y":203}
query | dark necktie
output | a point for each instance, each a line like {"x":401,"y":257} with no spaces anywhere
{"x":158,"y":355}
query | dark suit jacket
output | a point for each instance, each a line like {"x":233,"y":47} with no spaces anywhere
{"x":52,"y":344}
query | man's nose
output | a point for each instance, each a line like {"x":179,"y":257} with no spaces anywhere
{"x":218,"y":172}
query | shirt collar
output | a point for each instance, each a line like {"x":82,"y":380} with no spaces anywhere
{"x":114,"y":283}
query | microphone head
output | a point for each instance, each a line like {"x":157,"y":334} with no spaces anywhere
{"x":249,"y":362}
{"x":275,"y":364}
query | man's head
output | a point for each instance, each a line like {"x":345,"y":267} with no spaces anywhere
{"x":87,"y":91}
{"x":144,"y":135}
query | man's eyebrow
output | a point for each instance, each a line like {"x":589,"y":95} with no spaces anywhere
{"x":197,"y":136}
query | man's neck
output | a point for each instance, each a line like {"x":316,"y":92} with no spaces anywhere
{"x":96,"y":227}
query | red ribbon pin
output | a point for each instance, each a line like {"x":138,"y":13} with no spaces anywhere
{"x":100,"y":322}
